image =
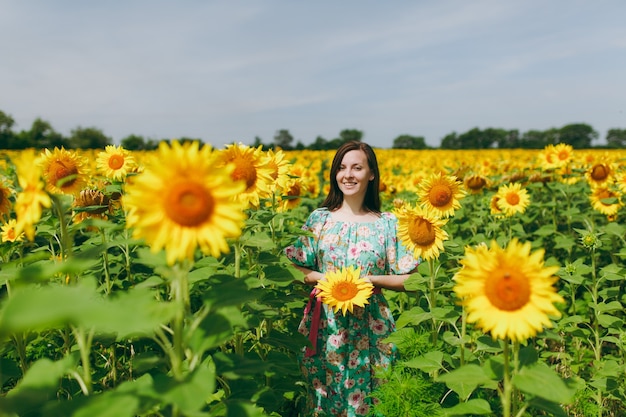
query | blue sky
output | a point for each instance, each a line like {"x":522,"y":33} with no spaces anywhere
{"x":227,"y":71}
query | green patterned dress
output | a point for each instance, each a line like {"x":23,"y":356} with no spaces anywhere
{"x":346,"y":351}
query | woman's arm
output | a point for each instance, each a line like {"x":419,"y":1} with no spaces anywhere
{"x":389,"y":282}
{"x":310,"y":277}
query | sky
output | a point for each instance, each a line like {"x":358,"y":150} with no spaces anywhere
{"x":230,"y":71}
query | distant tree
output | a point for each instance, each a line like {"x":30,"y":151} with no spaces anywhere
{"x":533,"y":139}
{"x":616,"y":138}
{"x":579,"y":135}
{"x":508,"y":139}
{"x":336,"y":143}
{"x":319,"y":144}
{"x":409,"y":142}
{"x":283,"y":139}
{"x":451,"y":141}
{"x":88,"y":138}
{"x":348,"y":135}
{"x":41,"y":135}
{"x":259,"y":142}
{"x":133,"y":143}
{"x":7,"y":137}
{"x":299,"y":146}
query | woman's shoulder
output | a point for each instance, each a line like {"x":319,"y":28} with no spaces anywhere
{"x":319,"y":214}
{"x":389,"y":216}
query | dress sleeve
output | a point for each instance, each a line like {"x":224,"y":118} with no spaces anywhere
{"x":303,"y":251}
{"x":399,"y":259}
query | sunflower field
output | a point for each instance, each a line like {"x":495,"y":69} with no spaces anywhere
{"x":155,"y":284}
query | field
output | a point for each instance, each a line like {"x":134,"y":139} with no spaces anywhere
{"x":155,"y":284}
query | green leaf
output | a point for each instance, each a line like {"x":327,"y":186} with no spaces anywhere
{"x":414,"y":317}
{"x":235,"y":366}
{"x":241,"y":409}
{"x":430,"y":361}
{"x":465,"y":380}
{"x":279,"y":275}
{"x":415,"y":282}
{"x":610,"y":322}
{"x":39,"y":384}
{"x":541,"y":381}
{"x":227,"y":291}
{"x":475,"y":406}
{"x":189,"y":394}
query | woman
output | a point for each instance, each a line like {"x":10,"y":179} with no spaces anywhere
{"x":349,"y":230}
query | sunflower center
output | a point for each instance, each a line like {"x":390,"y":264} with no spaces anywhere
{"x":600,"y":172}
{"x":476,"y":183}
{"x":189,"y":204}
{"x":244,"y":170}
{"x":63,"y":176}
{"x":422,"y":232}
{"x":508,"y":290}
{"x":344,"y":291}
{"x":512,"y":199}
{"x":294,"y":190}
{"x":563,"y":155}
{"x":116,"y":162}
{"x":440,"y":195}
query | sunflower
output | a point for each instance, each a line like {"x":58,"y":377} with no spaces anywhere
{"x":475,"y":183}
{"x":251,"y":167}
{"x":32,"y":198}
{"x":605,"y":200}
{"x":494,"y":206}
{"x":564,"y":153}
{"x":556,"y":156}
{"x":420,"y":230}
{"x":5,"y":198}
{"x":292,"y":194}
{"x":507,"y":291}
{"x":600,"y":174}
{"x":184,"y":200}
{"x":115,"y":162}
{"x":8,"y":234}
{"x":512,"y":198}
{"x":280,"y":169}
{"x":442,"y":193}
{"x":343,"y":289}
{"x":92,"y":204}
{"x":64,"y":171}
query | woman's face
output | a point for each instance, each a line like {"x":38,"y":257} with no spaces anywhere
{"x":354,"y":174}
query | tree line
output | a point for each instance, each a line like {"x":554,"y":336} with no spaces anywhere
{"x":580,"y":135}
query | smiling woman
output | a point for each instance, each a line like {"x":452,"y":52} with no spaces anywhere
{"x":352,"y":250}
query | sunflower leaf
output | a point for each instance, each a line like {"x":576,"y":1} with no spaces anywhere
{"x":542,"y":381}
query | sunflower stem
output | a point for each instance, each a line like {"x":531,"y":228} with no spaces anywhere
{"x":596,"y":325}
{"x":507,"y":388}
{"x":432,"y":300}
{"x":83,"y":340}
{"x":237,"y":246}
{"x":105,"y":261}
{"x":180,"y":296}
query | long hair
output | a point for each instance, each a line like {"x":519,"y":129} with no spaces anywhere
{"x":334,"y":199}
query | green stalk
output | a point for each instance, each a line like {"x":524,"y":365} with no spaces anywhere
{"x":84,"y":346}
{"x":507,"y":388}
{"x":180,"y":297}
{"x":596,"y":325}
{"x":432,"y":300}
{"x":105,"y":260}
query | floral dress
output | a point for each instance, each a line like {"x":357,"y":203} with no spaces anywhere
{"x":347,"y":351}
